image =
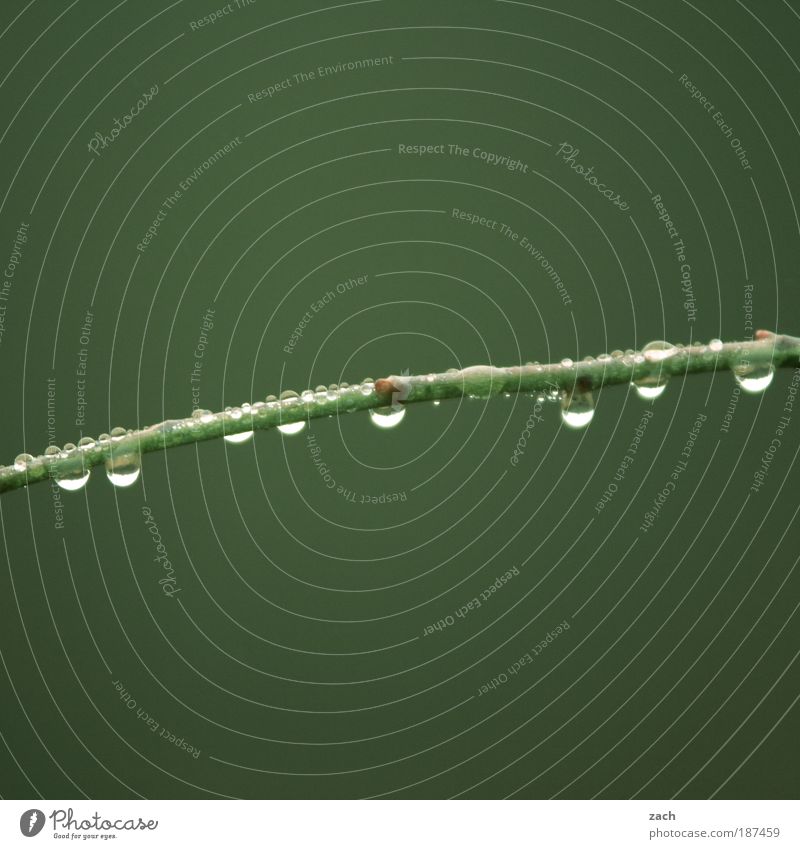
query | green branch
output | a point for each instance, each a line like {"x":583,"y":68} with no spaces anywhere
{"x":572,"y":384}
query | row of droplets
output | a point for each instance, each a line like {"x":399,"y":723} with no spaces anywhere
{"x":123,"y":467}
{"x":577,"y":407}
{"x":577,"y":410}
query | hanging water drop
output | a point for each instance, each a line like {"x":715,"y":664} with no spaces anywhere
{"x":652,"y":390}
{"x":386,"y":417}
{"x":653,"y":386}
{"x":237,"y":438}
{"x":753,"y":378}
{"x":577,"y":408}
{"x":290,"y":399}
{"x":123,"y":466}
{"x":73,"y":481}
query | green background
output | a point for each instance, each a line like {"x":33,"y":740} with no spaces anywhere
{"x":295,"y":656}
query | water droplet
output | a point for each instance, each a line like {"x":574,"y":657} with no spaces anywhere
{"x":104,"y":437}
{"x":51,"y":450}
{"x":577,"y":408}
{"x":650,"y":391}
{"x":236,"y":438}
{"x":69,"y":446}
{"x":752,"y":378}
{"x":73,"y":481}
{"x":567,"y":362}
{"x":332,"y":392}
{"x":22,"y":461}
{"x":653,"y":386}
{"x":436,"y":402}
{"x":367,"y":386}
{"x":123,"y":467}
{"x":617,"y":354}
{"x":86,"y":442}
{"x":658,"y":351}
{"x":290,"y":399}
{"x":307,"y":396}
{"x":604,"y":358}
{"x":387,"y":417}
{"x":119,"y":432}
{"x":715,"y":345}
{"x":291,"y":428}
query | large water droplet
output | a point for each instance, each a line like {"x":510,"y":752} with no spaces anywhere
{"x":123,"y":467}
{"x":292,"y":427}
{"x":22,"y":461}
{"x":650,"y":388}
{"x":237,"y":438}
{"x":653,"y":386}
{"x":73,"y":481}
{"x":753,"y":379}
{"x":119,"y":432}
{"x":289,"y":398}
{"x":386,"y":417}
{"x":577,"y":408}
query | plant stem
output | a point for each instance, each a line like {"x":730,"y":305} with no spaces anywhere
{"x":766,"y":350}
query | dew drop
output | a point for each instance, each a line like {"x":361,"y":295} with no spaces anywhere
{"x":653,"y":386}
{"x":290,"y":398}
{"x":51,"y":450}
{"x":307,"y":396}
{"x":22,"y":461}
{"x":753,"y":379}
{"x":332,"y":392}
{"x":237,"y":438}
{"x":367,"y":386}
{"x":119,"y":432}
{"x":386,"y":417}
{"x":577,"y":408}
{"x":436,"y":402}
{"x":715,"y":345}
{"x":649,"y":391}
{"x":658,"y":351}
{"x":567,"y":362}
{"x":123,"y":467}
{"x":86,"y":442}
{"x":292,"y":427}
{"x":73,"y":481}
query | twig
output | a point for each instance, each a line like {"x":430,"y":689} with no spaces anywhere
{"x":571,"y":383}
